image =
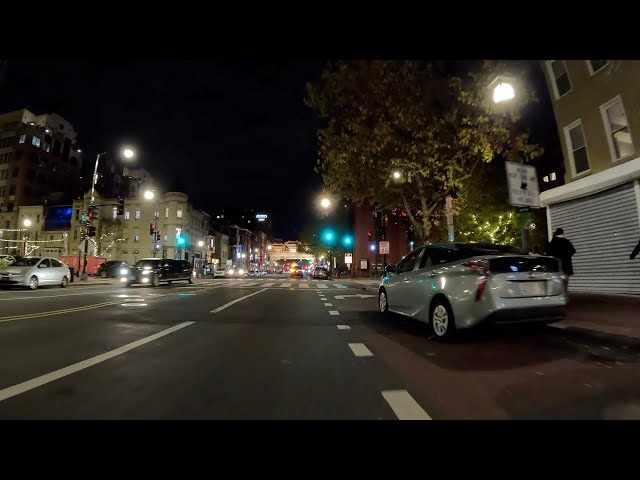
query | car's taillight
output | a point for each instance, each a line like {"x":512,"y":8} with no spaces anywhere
{"x":479,"y":266}
{"x":482,"y":284}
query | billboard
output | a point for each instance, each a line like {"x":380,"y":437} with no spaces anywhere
{"x":58,"y":217}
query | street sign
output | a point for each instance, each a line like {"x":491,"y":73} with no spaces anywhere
{"x":89,"y":245}
{"x":523,"y":185}
{"x":363,"y":265}
{"x":348,"y":258}
{"x":383,"y":248}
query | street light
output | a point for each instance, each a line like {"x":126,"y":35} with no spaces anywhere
{"x":26,"y":222}
{"x":148,"y":195}
{"x":127,"y":153}
{"x":503,"y":92}
{"x":269,"y":247}
{"x":200,"y":243}
{"x":325,"y":203}
{"x":397,"y":175}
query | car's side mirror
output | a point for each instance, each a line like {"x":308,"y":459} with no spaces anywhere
{"x":390,"y":269}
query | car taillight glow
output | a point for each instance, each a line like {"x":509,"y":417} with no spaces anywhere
{"x":482,"y":284}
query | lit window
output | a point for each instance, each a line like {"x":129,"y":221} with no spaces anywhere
{"x":179,"y":212}
{"x":553,"y":176}
{"x":545,"y":179}
{"x":617,"y":128}
{"x":165,"y":237}
{"x":558,"y":73}
{"x":596,"y":65}
{"x":46,"y":147}
{"x":166,"y":212}
{"x":35,"y":141}
{"x":115,"y":212}
{"x":137,"y":214}
{"x":126,"y":215}
{"x":156,"y":214}
{"x":577,"y":147}
{"x":23,"y":138}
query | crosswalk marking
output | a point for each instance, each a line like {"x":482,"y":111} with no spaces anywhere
{"x":322,"y":285}
{"x":284,"y":285}
{"x":270,"y":284}
{"x":303,"y":285}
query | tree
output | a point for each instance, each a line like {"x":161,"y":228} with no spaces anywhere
{"x":111,"y":232}
{"x":413,"y":118}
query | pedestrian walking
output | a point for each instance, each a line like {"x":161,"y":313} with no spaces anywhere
{"x":561,"y":248}
{"x":635,"y":252}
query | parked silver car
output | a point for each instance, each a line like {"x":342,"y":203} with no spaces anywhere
{"x":453,"y":286}
{"x":35,"y":271}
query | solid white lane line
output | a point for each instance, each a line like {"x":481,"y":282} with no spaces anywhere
{"x":328,"y":304}
{"x":334,"y":312}
{"x":303,"y":285}
{"x":284,"y":285}
{"x":236,"y":301}
{"x":321,"y":285}
{"x":76,"y":367}
{"x":33,"y":297}
{"x":404,"y":406}
{"x":360,"y":350}
{"x":270,"y":284}
{"x":343,"y":327}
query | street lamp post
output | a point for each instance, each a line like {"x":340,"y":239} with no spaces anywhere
{"x":26,"y":223}
{"x":503,"y":93}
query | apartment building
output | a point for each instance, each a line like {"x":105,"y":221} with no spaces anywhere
{"x":597,"y":110}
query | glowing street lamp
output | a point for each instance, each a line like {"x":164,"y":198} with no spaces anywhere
{"x":200,"y":243}
{"x":128,"y":153}
{"x":269,"y":247}
{"x":397,"y":175}
{"x":26,"y":222}
{"x":325,"y":203}
{"x":148,"y":195}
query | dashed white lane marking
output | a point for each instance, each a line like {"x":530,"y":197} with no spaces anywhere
{"x":303,"y":285}
{"x":404,"y":406}
{"x":236,"y":301}
{"x":76,"y":367}
{"x":328,"y":304}
{"x":321,"y":285}
{"x":323,"y":298}
{"x":334,"y":312}
{"x":284,"y":285}
{"x":343,"y":327}
{"x":270,"y":284}
{"x":360,"y":350}
{"x":339,"y":285}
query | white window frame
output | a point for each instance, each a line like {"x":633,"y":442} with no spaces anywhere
{"x":569,"y":146}
{"x":126,"y":214}
{"x":166,"y":212}
{"x":553,"y":177}
{"x":592,"y":72}
{"x":35,"y":141}
{"x":23,"y":138}
{"x":138,"y":214}
{"x":607,"y":127}
{"x":552,"y":77}
{"x":179,"y":212}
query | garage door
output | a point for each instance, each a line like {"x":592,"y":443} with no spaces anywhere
{"x":604,"y":229}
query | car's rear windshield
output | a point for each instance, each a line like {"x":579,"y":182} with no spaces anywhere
{"x":25,"y":262}
{"x":147,"y":263}
{"x":476,"y":249}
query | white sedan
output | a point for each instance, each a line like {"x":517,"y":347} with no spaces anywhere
{"x":35,"y":271}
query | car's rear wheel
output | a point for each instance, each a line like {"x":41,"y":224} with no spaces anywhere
{"x":103,"y":274}
{"x":441,"y":319}
{"x":65,"y":282}
{"x":383,"y":302}
{"x":33,"y":283}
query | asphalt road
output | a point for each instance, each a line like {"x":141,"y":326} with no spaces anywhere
{"x":280,"y":348}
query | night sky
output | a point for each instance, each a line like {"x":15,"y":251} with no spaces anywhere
{"x":236,"y":132}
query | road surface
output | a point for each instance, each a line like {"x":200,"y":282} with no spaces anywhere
{"x":281,"y":348}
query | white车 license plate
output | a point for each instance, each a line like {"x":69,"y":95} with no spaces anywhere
{"x":532,"y":289}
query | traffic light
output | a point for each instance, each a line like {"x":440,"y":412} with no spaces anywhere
{"x":91,"y":231}
{"x":370,"y":236}
{"x":84,"y":219}
{"x":152,"y":228}
{"x":157,"y":236}
{"x":394,"y":213}
{"x":120,"y":206}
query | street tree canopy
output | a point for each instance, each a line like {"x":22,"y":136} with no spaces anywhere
{"x":416,"y":119}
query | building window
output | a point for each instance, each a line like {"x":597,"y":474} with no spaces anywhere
{"x":137,"y":214}
{"x":179,"y":212}
{"x":553,"y":176}
{"x":23,"y":138}
{"x":46,"y":147}
{"x":115,"y":212}
{"x":558,"y":73}
{"x":136,"y":234}
{"x":165,"y":237}
{"x":166,"y":212}
{"x":75,"y":234}
{"x":617,"y":128}
{"x":545,"y":179}
{"x":596,"y":65}
{"x":35,"y":141}
{"x":126,"y":215}
{"x":577,"y":148}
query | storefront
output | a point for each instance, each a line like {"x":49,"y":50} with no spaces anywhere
{"x":600,"y":215}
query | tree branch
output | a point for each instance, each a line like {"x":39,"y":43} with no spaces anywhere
{"x":412,"y":219}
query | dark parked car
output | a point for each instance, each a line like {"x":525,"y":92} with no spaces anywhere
{"x":112,"y":268}
{"x":153,"y":271}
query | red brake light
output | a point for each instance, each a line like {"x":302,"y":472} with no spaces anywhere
{"x":480,"y":266}
{"x":482,"y":284}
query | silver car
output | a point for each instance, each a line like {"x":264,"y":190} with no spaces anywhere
{"x":35,"y":271}
{"x":453,"y":286}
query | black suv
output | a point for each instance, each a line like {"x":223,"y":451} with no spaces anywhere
{"x":112,"y":268}
{"x":152,"y":271}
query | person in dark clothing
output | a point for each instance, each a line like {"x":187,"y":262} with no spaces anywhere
{"x":635,"y":252}
{"x":560,"y":247}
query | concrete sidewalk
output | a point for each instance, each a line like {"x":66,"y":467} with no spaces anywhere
{"x":614,"y":314}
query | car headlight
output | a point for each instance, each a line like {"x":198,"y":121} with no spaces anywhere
{"x":146,"y":272}
{"x":230,"y":271}
{"x":241,"y":271}
{"x":123,"y":271}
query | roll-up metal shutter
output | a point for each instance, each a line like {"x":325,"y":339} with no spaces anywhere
{"x":604,"y":229}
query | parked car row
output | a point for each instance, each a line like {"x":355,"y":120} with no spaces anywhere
{"x":34,"y":271}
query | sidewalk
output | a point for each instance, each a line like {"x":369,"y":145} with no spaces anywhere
{"x":614,"y":314}
{"x":92,"y":280}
